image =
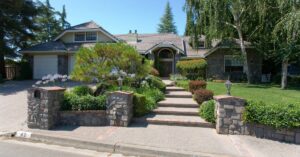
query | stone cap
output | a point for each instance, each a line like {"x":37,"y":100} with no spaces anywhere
{"x":52,"y":88}
{"x":224,"y":97}
{"x":122,"y":92}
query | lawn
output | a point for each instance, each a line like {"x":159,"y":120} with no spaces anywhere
{"x":261,"y":92}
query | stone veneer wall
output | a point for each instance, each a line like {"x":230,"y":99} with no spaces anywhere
{"x":229,"y":110}
{"x":43,"y":106}
{"x":83,"y":118}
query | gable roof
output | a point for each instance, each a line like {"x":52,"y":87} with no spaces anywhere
{"x":87,"y":26}
{"x":52,"y":46}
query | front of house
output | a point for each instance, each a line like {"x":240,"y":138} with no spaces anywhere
{"x":58,"y":56}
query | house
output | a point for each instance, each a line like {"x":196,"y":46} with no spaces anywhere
{"x":57,"y":56}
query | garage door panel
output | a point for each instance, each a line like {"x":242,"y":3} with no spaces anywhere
{"x":43,"y":65}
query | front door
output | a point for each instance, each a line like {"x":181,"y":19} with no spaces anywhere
{"x":165,"y":68}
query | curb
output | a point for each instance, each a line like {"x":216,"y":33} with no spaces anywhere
{"x":123,"y":148}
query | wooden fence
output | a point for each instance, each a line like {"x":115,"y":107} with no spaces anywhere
{"x":12,"y":72}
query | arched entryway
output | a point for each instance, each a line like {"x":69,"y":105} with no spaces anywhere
{"x":165,"y":62}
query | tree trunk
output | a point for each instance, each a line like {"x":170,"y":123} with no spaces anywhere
{"x":285,"y":64}
{"x":2,"y":66}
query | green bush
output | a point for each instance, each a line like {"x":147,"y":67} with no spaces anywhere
{"x":25,"y":70}
{"x":85,"y":102}
{"x":273,"y":115}
{"x":196,"y":85}
{"x":183,"y":83}
{"x":82,"y":90}
{"x":192,"y":69}
{"x":203,"y":95}
{"x":152,"y":93}
{"x":101,"y":88}
{"x":157,"y":83}
{"x":207,"y":111}
{"x":1,"y":78}
{"x":142,"y":105}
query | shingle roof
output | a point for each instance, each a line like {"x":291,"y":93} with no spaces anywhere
{"x":49,"y":46}
{"x":86,"y":25}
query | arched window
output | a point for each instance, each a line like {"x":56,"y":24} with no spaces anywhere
{"x":166,"y":54}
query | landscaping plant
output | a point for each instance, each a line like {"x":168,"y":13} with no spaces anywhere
{"x":82,"y":90}
{"x":192,"y":69}
{"x":196,"y":85}
{"x":203,"y":95}
{"x":207,"y":111}
{"x":142,"y":105}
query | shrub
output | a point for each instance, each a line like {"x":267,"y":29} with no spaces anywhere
{"x":142,"y":105}
{"x":101,"y":89}
{"x":183,"y":83}
{"x":85,"y":102}
{"x":192,"y":69}
{"x":152,"y":93}
{"x":203,"y":95}
{"x":176,"y":77}
{"x":273,"y":115}
{"x":196,"y":85}
{"x":1,"y":78}
{"x":207,"y":111}
{"x":157,"y":83}
{"x":154,"y":72}
{"x":82,"y":90}
{"x":25,"y":70}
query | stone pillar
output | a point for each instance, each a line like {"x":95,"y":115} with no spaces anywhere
{"x":229,"y":111}
{"x":43,"y":106}
{"x":119,"y":108}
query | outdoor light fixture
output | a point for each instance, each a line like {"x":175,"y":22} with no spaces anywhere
{"x":120,"y":82}
{"x":228,"y":86}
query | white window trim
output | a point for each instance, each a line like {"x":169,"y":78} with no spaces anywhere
{"x":225,"y":65}
{"x":84,"y":41}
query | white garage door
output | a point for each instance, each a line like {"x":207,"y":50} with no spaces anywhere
{"x":71,"y":62}
{"x":44,"y":65}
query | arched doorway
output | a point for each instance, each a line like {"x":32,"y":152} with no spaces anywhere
{"x":165,"y":64}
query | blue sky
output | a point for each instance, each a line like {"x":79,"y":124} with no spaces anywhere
{"x":119,"y":16}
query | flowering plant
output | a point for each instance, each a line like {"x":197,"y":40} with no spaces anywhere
{"x":51,"y":79}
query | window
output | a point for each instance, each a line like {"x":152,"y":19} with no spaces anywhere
{"x":91,"y":36}
{"x":233,"y":63}
{"x":201,"y":44}
{"x":79,"y":36}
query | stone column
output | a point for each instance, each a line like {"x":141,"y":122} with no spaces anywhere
{"x":43,"y":106}
{"x":119,"y":108}
{"x":229,"y":111}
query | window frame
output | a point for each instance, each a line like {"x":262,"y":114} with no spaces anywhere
{"x":241,"y":64}
{"x":85,"y":36}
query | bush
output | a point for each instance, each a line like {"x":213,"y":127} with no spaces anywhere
{"x":152,"y":93}
{"x":1,"y":78}
{"x":192,"y":69}
{"x":196,"y":85}
{"x":82,"y":90}
{"x":25,"y":70}
{"x":142,"y":105}
{"x":273,"y":115}
{"x":157,"y":83}
{"x":101,"y":89}
{"x":85,"y":102}
{"x":207,"y":111}
{"x":154,"y":72}
{"x":183,"y":83}
{"x":177,"y":77}
{"x":203,"y":95}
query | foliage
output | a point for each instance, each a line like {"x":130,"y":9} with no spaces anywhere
{"x":192,"y":69}
{"x":207,"y":111}
{"x":1,"y":79}
{"x":52,"y":80}
{"x":85,"y":102}
{"x":142,"y":105}
{"x":202,"y":95}
{"x":154,"y":72}
{"x":103,"y":60}
{"x":82,"y":90}
{"x":16,"y":27}
{"x":167,"y":24}
{"x":183,"y":83}
{"x":272,"y":114}
{"x":63,"y":15}
{"x":157,"y":83}
{"x":176,"y":77}
{"x":152,"y":93}
{"x":101,"y":88}
{"x":25,"y":70}
{"x":196,"y":85}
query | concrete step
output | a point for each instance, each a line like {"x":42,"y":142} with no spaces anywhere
{"x":174,"y":88}
{"x":178,"y":102}
{"x":176,"y":111}
{"x":178,"y":94}
{"x":193,"y":121}
{"x":168,"y":83}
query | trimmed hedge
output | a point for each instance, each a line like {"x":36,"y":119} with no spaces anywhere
{"x":152,"y":93}
{"x":196,"y":85}
{"x":85,"y":102}
{"x":157,"y":83}
{"x":142,"y":105}
{"x":203,"y":95}
{"x":192,"y":69}
{"x":82,"y":90}
{"x":207,"y":111}
{"x":273,"y":115}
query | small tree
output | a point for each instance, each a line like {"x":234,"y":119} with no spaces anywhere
{"x":100,"y":61}
{"x":167,"y":24}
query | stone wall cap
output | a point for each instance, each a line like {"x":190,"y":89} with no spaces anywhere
{"x":220,"y":97}
{"x":52,"y":88}
{"x":122,"y":92}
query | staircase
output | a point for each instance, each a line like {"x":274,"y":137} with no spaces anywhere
{"x":177,"y":109}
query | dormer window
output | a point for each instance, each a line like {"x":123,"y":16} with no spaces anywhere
{"x":85,"y":36}
{"x":201,"y":44}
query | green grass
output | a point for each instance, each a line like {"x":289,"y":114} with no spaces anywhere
{"x":261,"y":92}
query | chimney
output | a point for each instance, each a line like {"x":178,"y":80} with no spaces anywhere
{"x":136,"y":35}
{"x":130,"y":31}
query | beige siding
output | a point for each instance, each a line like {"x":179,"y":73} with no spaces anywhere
{"x":101,"y":37}
{"x":68,"y":38}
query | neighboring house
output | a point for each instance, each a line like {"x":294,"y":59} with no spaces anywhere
{"x":57,"y":56}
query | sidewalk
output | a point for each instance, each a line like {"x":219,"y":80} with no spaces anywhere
{"x":186,"y":140}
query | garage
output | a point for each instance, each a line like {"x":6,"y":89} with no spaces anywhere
{"x":44,"y":65}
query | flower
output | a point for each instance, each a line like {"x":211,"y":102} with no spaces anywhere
{"x":38,"y":82}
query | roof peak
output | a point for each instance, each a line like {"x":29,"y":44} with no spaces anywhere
{"x":86,"y":25}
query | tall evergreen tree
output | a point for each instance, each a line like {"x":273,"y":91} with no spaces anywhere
{"x":63,"y":15}
{"x":16,"y":27}
{"x":167,"y":24}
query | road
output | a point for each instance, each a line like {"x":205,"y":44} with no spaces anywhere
{"x":12,"y":148}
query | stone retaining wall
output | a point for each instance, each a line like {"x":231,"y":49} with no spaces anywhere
{"x":83,"y":118}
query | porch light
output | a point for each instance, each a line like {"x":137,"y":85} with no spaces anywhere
{"x":120,"y":82}
{"x":228,"y":85}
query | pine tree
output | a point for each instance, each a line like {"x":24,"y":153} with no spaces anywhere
{"x":16,"y":27}
{"x":167,"y":24}
{"x":63,"y":15}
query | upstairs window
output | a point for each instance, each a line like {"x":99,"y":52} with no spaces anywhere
{"x":201,"y":45}
{"x":79,"y":36}
{"x":85,"y":36}
{"x":233,"y":63}
{"x":91,"y":36}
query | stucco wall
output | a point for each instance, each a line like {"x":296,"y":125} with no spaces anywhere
{"x":69,"y":37}
{"x":216,"y":69}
